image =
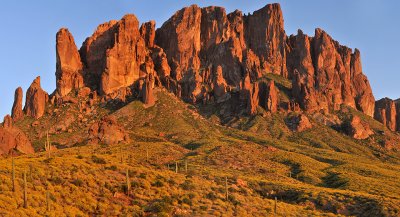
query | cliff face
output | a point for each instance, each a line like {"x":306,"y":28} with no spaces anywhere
{"x":69,"y":64}
{"x":327,"y":74}
{"x":387,"y":111}
{"x":206,"y":55}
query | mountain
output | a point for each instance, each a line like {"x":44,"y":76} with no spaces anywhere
{"x":212,"y":114}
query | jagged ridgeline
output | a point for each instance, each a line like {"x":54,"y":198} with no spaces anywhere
{"x":223,"y":113}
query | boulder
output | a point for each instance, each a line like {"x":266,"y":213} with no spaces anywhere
{"x":12,"y":138}
{"x":16,"y":112}
{"x":107,"y":131}
{"x":357,"y":128}
{"x":298,"y":122}
{"x":36,"y":99}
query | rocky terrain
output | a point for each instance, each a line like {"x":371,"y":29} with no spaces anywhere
{"x":203,"y":80}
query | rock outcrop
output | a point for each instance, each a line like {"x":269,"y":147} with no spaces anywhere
{"x":107,"y":131}
{"x":36,"y":99}
{"x":357,"y":128}
{"x":180,"y":38}
{"x":113,"y":55}
{"x":12,"y":138}
{"x":249,"y":96}
{"x":269,"y":97}
{"x":298,"y":122}
{"x":69,"y":65}
{"x":219,"y":86}
{"x":147,"y":90}
{"x":16,"y":112}
{"x":324,"y":73}
{"x":148,"y":33}
{"x":265,"y":35}
{"x":327,"y":74}
{"x":386,"y":112}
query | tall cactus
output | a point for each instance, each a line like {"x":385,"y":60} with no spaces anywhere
{"x":186,"y":166}
{"x":47,"y":145}
{"x":47,"y":200}
{"x":128,"y":183}
{"x":226,"y":189}
{"x":13,"y":173}
{"x":147,"y":154}
{"x":25,"y":192}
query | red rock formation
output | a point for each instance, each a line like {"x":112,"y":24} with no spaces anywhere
{"x":147,"y":91}
{"x":272,"y":97}
{"x":302,"y":70}
{"x":7,"y":122}
{"x":219,"y":85}
{"x":386,"y":113}
{"x":358,"y":129}
{"x":365,"y":100}
{"x":69,"y":65}
{"x":16,"y":112}
{"x":107,"y":131}
{"x":148,"y":32}
{"x":113,"y":55}
{"x":298,"y":122}
{"x":13,"y":138}
{"x":265,"y":35}
{"x":330,"y":78}
{"x":252,"y":65}
{"x":180,"y":38}
{"x":36,"y":99}
{"x":249,"y":95}
{"x":160,"y":62}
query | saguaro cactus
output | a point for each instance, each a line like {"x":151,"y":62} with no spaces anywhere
{"x":147,"y":155}
{"x":47,"y":200}
{"x":226,"y":189}
{"x":13,"y":173}
{"x":25,"y":192}
{"x":128,"y":183}
{"x":186,"y":166}
{"x":47,"y":145}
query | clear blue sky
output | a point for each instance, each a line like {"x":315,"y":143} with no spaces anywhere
{"x":29,"y":28}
